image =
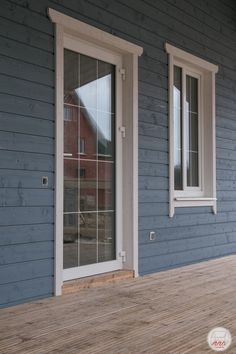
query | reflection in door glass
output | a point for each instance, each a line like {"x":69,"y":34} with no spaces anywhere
{"x":89,"y":160}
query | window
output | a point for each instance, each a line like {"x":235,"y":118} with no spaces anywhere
{"x":191,"y":130}
{"x":81,"y":146}
{"x":82,"y":172}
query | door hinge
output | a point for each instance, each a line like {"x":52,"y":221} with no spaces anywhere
{"x":123,"y":131}
{"x":122,"y":255}
{"x":123,"y":73}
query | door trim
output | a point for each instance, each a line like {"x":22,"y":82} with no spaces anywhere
{"x":64,"y":26}
{"x":91,"y":269}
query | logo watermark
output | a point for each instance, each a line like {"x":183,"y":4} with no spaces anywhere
{"x":219,"y":339}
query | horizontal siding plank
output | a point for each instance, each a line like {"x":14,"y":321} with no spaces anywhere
{"x":153,"y":196}
{"x":224,"y":185}
{"x":225,"y":144}
{"x":11,"y":235}
{"x":152,"y":169}
{"x":225,"y":164}
{"x":225,"y":205}
{"x":226,"y":175}
{"x":26,"y":71}
{"x":150,"y":103}
{"x":28,"y":54}
{"x":225,"y":154}
{"x":153,"y":156}
{"x":24,"y":179}
{"x":26,"y":106}
{"x":27,"y":289}
{"x":225,"y":123}
{"x":152,"y":143}
{"x":23,"y":271}
{"x":148,"y":209}
{"x":27,"y":89}
{"x":179,"y":220}
{"x":23,"y":34}
{"x":152,"y":117}
{"x":26,"y":216}
{"x":26,"y":161}
{"x":153,"y":183}
{"x":153,"y":91}
{"x":26,"y":143}
{"x":26,"y":17}
{"x":152,"y":264}
{"x":216,"y":13}
{"x":27,"y":125}
{"x":191,"y":231}
{"x":25,"y":252}
{"x":153,"y":130}
{"x":20,"y":197}
{"x":225,"y":133}
{"x":157,"y":248}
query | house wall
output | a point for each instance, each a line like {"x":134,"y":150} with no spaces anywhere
{"x":204,"y":28}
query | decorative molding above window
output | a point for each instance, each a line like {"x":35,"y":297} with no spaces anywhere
{"x":192,"y":160}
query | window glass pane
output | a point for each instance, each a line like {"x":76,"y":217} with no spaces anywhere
{"x":192,"y":169}
{"x":192,"y":122}
{"x":177,"y":100}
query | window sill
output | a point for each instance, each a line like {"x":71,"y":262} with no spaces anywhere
{"x":194,"y":199}
{"x":182,"y":202}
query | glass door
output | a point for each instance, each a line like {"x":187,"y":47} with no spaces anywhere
{"x":89,"y":163}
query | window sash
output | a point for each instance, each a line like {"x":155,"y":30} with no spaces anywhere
{"x":189,"y":190}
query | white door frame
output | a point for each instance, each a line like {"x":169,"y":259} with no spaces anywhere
{"x":64,"y":26}
{"x":93,"y":51}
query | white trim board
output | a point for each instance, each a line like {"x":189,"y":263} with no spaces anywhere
{"x":93,"y":34}
{"x":129,"y":52}
{"x":190,"y":58}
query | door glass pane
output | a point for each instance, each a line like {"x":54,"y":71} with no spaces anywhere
{"x":88,"y":238}
{"x":89,"y":160}
{"x":192,"y":131}
{"x":106,"y":245}
{"x":177,"y":100}
{"x":106,"y":186}
{"x":106,"y":87}
{"x":106,"y":136}
{"x":87,"y":183}
{"x":71,"y":237}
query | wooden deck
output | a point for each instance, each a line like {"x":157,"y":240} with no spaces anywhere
{"x":167,"y":313}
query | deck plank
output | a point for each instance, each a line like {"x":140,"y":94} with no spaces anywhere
{"x":167,"y":313}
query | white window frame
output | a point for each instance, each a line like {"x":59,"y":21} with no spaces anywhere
{"x":90,"y":36}
{"x":205,"y":194}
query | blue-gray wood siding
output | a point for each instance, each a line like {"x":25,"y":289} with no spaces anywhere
{"x":204,"y":28}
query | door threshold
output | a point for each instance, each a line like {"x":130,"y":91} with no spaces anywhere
{"x":73,"y":286}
